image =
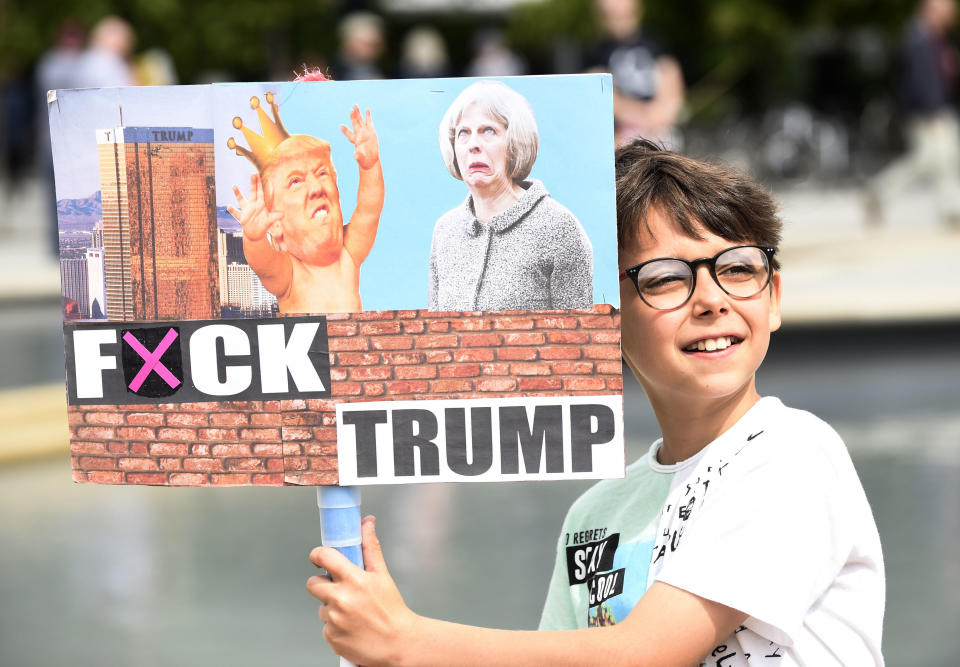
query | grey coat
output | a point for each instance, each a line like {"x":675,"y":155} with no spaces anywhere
{"x":535,"y":255}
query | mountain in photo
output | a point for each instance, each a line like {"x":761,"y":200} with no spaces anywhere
{"x":79,"y":215}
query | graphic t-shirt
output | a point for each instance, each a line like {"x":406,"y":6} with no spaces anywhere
{"x":770,"y":519}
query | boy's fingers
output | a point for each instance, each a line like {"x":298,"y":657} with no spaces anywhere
{"x":320,"y":588}
{"x":373,"y":560}
{"x":331,"y":560}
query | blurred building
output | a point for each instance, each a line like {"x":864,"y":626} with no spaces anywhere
{"x":159,"y":223}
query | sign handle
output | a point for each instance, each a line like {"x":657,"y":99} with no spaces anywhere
{"x":340,"y":525}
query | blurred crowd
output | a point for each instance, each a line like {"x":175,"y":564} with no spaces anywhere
{"x":779,"y":140}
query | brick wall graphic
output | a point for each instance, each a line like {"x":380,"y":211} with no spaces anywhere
{"x":375,"y":356}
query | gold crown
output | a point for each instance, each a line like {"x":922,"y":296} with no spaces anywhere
{"x":260,"y":146}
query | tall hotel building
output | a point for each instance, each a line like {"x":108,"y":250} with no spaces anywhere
{"x":159,"y":223}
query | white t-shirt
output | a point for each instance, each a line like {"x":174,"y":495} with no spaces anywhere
{"x":771,"y":519}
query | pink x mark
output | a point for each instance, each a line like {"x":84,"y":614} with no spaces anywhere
{"x":151,"y":360}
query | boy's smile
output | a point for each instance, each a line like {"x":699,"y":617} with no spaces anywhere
{"x":709,"y":348}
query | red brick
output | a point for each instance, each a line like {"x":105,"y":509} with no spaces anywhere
{"x":325,"y":434}
{"x":602,"y":352}
{"x":200,"y":449}
{"x":232,"y":479}
{"x":512,"y":323}
{"x":293,"y":404}
{"x":169,"y":449}
{"x":138,"y":463}
{"x":346,"y":389}
{"x":540,"y":383}
{"x":403,"y":358}
{"x":328,"y":419}
{"x":415,"y":372}
{"x":379,"y":328}
{"x":481,"y":340}
{"x":407,"y":314}
{"x":615,"y":383}
{"x":137,"y":448}
{"x":450,"y":386}
{"x":75,"y":417}
{"x":187,"y":419}
{"x":169,"y":463}
{"x":391,"y":343}
{"x":496,"y":368}
{"x":291,"y":433}
{"x":499,"y":384}
{"x":247,"y":464}
{"x":441,"y":356}
{"x":272,"y":406}
{"x":79,"y":476}
{"x":295,"y":463}
{"x":118,"y":447}
{"x":188,"y":479}
{"x":460,"y":371}
{"x":323,"y":463}
{"x":609,"y":367}
{"x":206,"y":406}
{"x":365,"y":373}
{"x":229,"y":419}
{"x":598,"y":322}
{"x":433,"y":341}
{"x":176,"y":433}
{"x":557,"y":322}
{"x":274,"y":464}
{"x":357,"y":359}
{"x":302,"y":418}
{"x":209,"y":434}
{"x":348,"y":344}
{"x":267,"y":479}
{"x":105,"y":477}
{"x":529,"y":338}
{"x":572,"y":367}
{"x":584,"y":384}
{"x":612,"y":337}
{"x":104,"y":418}
{"x":369,"y":315}
{"x":322,"y":404}
{"x":517,"y":353}
{"x":292,"y":449}
{"x":561,"y":352}
{"x":523,"y":368}
{"x":471,"y":324}
{"x":414,"y":327}
{"x":234,"y":449}
{"x":82,"y":447}
{"x":97,"y":463}
{"x":260,"y":434}
{"x":574,"y":337}
{"x":145,"y":418}
{"x":373,"y":389}
{"x":338,"y":374}
{"x":242,"y":406}
{"x":408,"y":387}
{"x":266,"y":419}
{"x":437,"y":326}
{"x":474,"y":354}
{"x":264,"y":449}
{"x":320,"y":449}
{"x":96,"y":433}
{"x":335,"y":329}
{"x":202,"y":464}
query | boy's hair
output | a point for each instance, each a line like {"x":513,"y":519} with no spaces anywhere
{"x":696,"y":195}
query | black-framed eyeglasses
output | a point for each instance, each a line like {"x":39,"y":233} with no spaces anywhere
{"x":666,"y":283}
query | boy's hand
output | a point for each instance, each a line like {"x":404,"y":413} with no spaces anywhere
{"x":253,"y":215}
{"x":363,"y":137}
{"x":365,"y":618}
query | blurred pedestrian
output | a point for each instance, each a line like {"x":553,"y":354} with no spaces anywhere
{"x":648,"y":87}
{"x":106,"y":61}
{"x":493,"y":57}
{"x":155,"y":67}
{"x":927,"y":78}
{"x":57,"y":69}
{"x":361,"y":45}
{"x":423,"y":55}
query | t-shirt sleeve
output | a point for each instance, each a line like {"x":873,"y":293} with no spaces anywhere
{"x":770,"y":538}
{"x":558,"y":612}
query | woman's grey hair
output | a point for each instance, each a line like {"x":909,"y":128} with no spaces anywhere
{"x":508,"y":107}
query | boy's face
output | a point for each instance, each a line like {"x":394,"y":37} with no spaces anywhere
{"x":656,"y":343}
{"x":303,"y":186}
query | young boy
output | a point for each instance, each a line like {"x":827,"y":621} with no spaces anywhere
{"x":742,"y":538}
{"x":293,"y":232}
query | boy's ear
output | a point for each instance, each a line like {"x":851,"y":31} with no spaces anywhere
{"x":775,"y":319}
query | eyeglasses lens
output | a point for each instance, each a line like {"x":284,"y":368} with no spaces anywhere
{"x":668,"y":283}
